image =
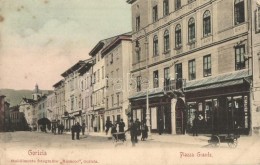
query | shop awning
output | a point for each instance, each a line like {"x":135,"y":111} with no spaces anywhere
{"x":157,"y":92}
{"x":224,"y":80}
{"x":218,"y":85}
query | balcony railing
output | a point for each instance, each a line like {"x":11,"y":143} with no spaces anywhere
{"x":170,"y":85}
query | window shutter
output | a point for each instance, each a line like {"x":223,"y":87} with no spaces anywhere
{"x":258,"y":19}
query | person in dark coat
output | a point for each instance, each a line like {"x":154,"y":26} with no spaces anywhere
{"x":73,"y":130}
{"x":121,"y":129}
{"x":77,"y":129}
{"x":83,"y":128}
{"x":144,"y":129}
{"x":61,"y":128}
{"x":195,"y":123}
{"x":121,"y":126}
{"x":160,"y":126}
{"x":113,"y":130}
{"x":138,"y":127}
{"x":108,"y":125}
{"x":133,"y":132}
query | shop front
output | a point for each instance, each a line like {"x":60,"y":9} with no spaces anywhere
{"x":221,"y":107}
{"x":160,"y":113}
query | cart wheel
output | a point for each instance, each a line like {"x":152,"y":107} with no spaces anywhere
{"x":215,"y":141}
{"x":233,"y":144}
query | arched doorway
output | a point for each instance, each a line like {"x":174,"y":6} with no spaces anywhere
{"x":180,"y":116}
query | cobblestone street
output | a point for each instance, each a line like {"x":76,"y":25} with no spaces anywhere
{"x":97,"y":147}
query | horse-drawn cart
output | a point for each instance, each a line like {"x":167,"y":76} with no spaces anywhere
{"x":230,"y":139}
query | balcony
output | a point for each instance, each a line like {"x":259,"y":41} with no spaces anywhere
{"x":172,"y":85}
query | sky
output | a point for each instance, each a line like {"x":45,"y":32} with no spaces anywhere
{"x":40,"y":39}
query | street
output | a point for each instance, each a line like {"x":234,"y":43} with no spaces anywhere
{"x":20,"y":147}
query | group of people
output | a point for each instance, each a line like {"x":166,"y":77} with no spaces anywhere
{"x":60,"y":128}
{"x":136,"y":129}
{"x":76,"y":129}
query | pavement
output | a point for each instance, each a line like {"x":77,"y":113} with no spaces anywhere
{"x":201,"y":140}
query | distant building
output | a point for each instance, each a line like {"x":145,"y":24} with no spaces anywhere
{"x":17,"y":119}
{"x":98,"y":99}
{"x":73,"y":97}
{"x":28,"y":108}
{"x":118,"y":59}
{"x":2,"y":113}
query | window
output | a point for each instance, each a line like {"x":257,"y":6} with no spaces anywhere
{"x":155,"y":13}
{"x":192,"y":70}
{"x":166,"y":76}
{"x":111,"y":61}
{"x":166,"y":40}
{"x":178,"y":73}
{"x":112,"y":100}
{"x":137,"y":23}
{"x":178,"y":36}
{"x":165,"y":7}
{"x":206,"y":24}
{"x":94,"y":77}
{"x":239,"y":12}
{"x":72,"y":102}
{"x":138,"y":84}
{"x":191,"y":32}
{"x":240,"y":60}
{"x":117,"y":99}
{"x":190,"y":1}
{"x":155,"y":46}
{"x":98,"y":75}
{"x":137,"y":50}
{"x":107,"y":103}
{"x":177,"y":4}
{"x":155,"y":79}
{"x":207,"y":65}
{"x":258,"y":19}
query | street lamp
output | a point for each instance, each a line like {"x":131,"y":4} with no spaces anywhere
{"x":138,"y":49}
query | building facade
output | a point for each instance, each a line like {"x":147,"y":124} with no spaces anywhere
{"x":191,"y":58}
{"x":255,"y":17}
{"x":59,"y":92}
{"x":73,"y":96}
{"x":2,"y":112}
{"x":28,"y":108}
{"x":98,"y":98}
{"x":118,"y":57}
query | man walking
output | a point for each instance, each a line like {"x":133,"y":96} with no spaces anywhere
{"x":133,"y":132}
{"x":78,"y":129}
{"x":83,"y":128}
{"x":73,"y":127}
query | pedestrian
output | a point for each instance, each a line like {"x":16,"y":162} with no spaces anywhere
{"x":195,"y":126}
{"x":113,"y":130}
{"x":138,"y":128}
{"x":78,"y":130}
{"x":83,"y":128}
{"x":61,"y":128}
{"x":160,"y":126}
{"x":133,"y":132}
{"x":108,"y":125}
{"x":121,"y":129}
{"x":144,"y":130}
{"x":73,"y":129}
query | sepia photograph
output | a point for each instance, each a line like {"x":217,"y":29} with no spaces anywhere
{"x":130,"y":82}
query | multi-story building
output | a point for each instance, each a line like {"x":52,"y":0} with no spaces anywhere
{"x":85,"y":88}
{"x":17,"y":119}
{"x":255,"y":55}
{"x":118,"y":57}
{"x":191,"y":58}
{"x":28,"y":108}
{"x":73,"y":97}
{"x":2,"y":112}
{"x":99,"y":86}
{"x":50,"y":109}
{"x":59,"y":92}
